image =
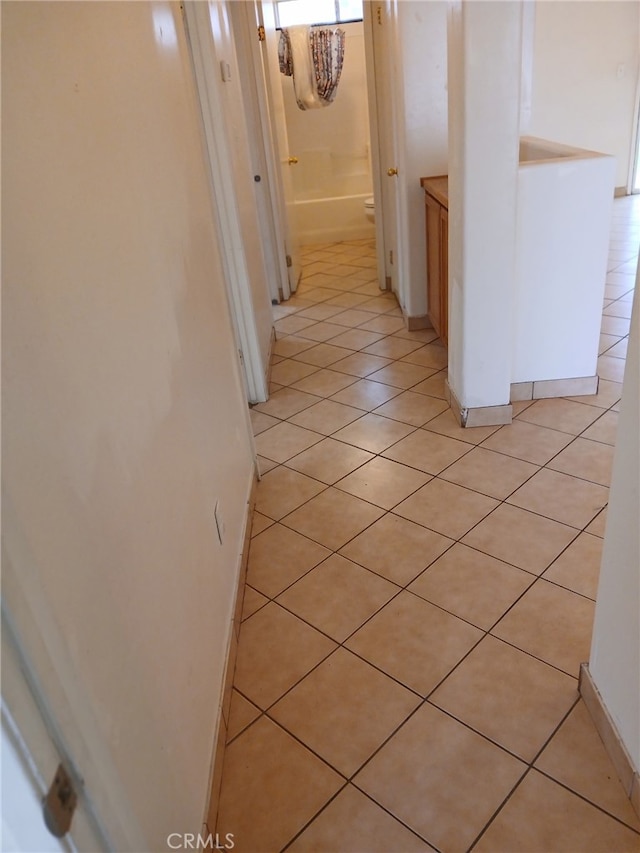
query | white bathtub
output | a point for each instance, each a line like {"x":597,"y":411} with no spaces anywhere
{"x":330,"y":193}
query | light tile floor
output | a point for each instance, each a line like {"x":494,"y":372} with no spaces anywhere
{"x":420,"y":597}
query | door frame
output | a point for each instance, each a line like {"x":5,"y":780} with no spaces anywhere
{"x":246,"y":18}
{"x":206,"y":68}
{"x":386,"y":108}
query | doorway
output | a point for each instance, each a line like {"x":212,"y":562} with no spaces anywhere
{"x":330,"y":157}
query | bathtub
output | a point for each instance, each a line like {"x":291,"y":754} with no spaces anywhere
{"x":329,"y":199}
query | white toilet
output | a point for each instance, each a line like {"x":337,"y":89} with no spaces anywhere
{"x":369,"y":209}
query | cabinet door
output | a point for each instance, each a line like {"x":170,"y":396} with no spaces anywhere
{"x":444,"y":275}
{"x":434,"y":241}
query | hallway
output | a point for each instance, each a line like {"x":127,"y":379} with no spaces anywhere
{"x":419,"y":596}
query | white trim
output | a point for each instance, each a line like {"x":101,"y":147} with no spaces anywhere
{"x":257,"y":106}
{"x":374,"y":131}
{"x":206,"y":71}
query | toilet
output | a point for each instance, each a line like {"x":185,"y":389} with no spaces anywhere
{"x":369,"y":209}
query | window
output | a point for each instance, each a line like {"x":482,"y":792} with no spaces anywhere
{"x":292,"y":12}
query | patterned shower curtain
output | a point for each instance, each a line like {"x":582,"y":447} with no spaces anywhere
{"x":314,"y":58}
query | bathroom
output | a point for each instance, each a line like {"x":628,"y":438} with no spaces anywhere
{"x":332,"y":177}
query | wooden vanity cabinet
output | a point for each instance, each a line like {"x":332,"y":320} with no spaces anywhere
{"x":437,"y":232}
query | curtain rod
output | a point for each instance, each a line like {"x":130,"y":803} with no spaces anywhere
{"x":327,"y":24}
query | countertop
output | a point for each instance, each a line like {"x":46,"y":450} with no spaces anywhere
{"x":438,"y":187}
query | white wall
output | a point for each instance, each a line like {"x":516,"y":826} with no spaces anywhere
{"x":124,"y":418}
{"x":614,"y":662}
{"x":484,"y":62}
{"x":578,"y":98}
{"x":422,"y":29}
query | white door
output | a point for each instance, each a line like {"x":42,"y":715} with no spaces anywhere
{"x":281,"y":142}
{"x":386,"y":116}
{"x":32,"y":750}
{"x":265,"y":165}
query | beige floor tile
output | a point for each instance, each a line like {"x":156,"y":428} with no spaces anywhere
{"x":432,"y":355}
{"x":252,"y":602}
{"x":576,"y":757}
{"x":446,"y":424}
{"x":608,"y":394}
{"x":383,"y":482}
{"x":557,"y":413}
{"x":259,"y":523}
{"x":604,"y":429}
{"x":427,"y":451}
{"x":286,"y":402}
{"x":446,"y":508}
{"x":333,"y":518}
{"x":518,"y":406}
{"x":360,"y":364}
{"x":619,"y":308}
{"x":424,"y":336}
{"x":321,"y":332}
{"x":561,"y":497}
{"x":278,"y":557}
{"x":349,"y":300}
{"x":393,"y":347}
{"x":322,"y":355}
{"x":355,"y":339}
{"x":325,"y":382}
{"x":272,"y":786}
{"x":614,"y":325}
{"x":366,"y":394}
{"x":434,"y":386}
{"x":552,"y":623}
{"x":351,"y":317}
{"x":471,"y":585}
{"x":527,"y":441}
{"x":373,"y":433}
{"x":381,"y":305}
{"x":409,"y":782}
{"x":606,"y":342}
{"x":493,"y":474}
{"x":508,"y":696}
{"x":402,"y":375}
{"x":521,"y":538}
{"x":260,"y":422}
{"x":344,"y":710}
{"x":611,"y":368}
{"x":578,"y":568}
{"x":414,"y":642}
{"x":291,"y":325}
{"x":396,"y":548}
{"x":290,"y":346}
{"x":326,"y":417}
{"x":242,"y":714}
{"x":288,"y":371}
{"x":338,"y":596}
{"x":589,"y":460}
{"x":330,"y":460}
{"x":410,"y":408}
{"x":543,"y":816}
{"x":284,"y":441}
{"x":352,"y":823}
{"x":597,"y":526}
{"x":265,"y":464}
{"x":382,"y":323}
{"x":281,"y":490}
{"x":619,"y":350}
{"x":321,"y":312}
{"x":276,"y":650}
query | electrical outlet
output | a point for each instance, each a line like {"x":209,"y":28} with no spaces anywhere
{"x":217,"y":514}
